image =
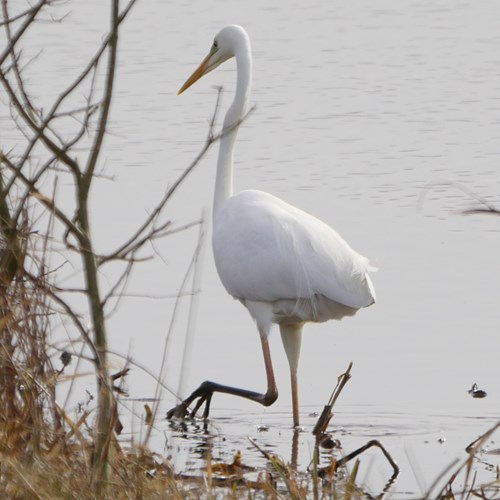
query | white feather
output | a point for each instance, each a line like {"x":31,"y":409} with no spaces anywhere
{"x":267,"y":250}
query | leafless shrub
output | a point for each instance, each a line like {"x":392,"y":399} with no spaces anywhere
{"x":39,"y":235}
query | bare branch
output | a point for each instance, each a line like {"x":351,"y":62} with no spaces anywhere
{"x":10,"y":20}
{"x":120,"y":282}
{"x":91,"y":65}
{"x":106,"y":103}
{"x":58,"y":152}
{"x":210,"y":140}
{"x":46,"y":201}
{"x":15,"y":60}
{"x":68,"y":310}
{"x":30,"y":17}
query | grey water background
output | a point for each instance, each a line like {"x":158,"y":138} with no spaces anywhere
{"x":368,"y":115}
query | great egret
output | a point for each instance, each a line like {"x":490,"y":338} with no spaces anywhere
{"x":284,"y":265}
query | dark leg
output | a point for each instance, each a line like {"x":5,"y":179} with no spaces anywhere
{"x":206,"y":390}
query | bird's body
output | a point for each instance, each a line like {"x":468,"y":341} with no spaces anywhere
{"x":269,"y":252}
{"x":284,"y":265}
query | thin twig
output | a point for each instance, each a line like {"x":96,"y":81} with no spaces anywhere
{"x":490,"y":209}
{"x":163,"y":366}
{"x":95,"y":149}
{"x":44,"y":200}
{"x":30,"y":17}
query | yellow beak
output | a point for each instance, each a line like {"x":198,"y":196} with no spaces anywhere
{"x":201,"y":70}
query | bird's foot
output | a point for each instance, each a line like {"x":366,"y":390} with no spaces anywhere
{"x":203,"y":395}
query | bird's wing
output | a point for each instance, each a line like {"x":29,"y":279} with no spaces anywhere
{"x":267,"y":250}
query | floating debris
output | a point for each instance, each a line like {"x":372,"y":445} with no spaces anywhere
{"x":262,"y":428}
{"x":236,"y":468}
{"x":477,"y":393}
{"x":442,"y":440}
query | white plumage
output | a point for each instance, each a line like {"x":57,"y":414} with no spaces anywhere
{"x":284,"y":265}
{"x":269,"y":251}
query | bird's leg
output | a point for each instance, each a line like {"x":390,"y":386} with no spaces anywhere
{"x":206,"y":390}
{"x":272,"y":390}
{"x":291,"y":335}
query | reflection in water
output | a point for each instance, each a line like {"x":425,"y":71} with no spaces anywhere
{"x":295,"y":447}
{"x":199,"y":441}
{"x":353,"y":435}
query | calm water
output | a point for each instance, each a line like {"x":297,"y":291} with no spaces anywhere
{"x":368,"y":115}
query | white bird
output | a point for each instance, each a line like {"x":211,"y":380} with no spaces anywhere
{"x":284,"y":265}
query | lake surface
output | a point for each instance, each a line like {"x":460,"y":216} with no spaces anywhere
{"x":377,"y":117}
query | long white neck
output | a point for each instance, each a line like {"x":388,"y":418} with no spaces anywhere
{"x":237,"y":110}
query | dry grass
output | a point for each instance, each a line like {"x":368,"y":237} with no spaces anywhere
{"x":44,"y":453}
{"x":65,"y":473}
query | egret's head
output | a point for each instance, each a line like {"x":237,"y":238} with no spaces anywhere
{"x":226,"y":44}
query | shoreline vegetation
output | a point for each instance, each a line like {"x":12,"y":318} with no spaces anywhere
{"x":46,"y":452}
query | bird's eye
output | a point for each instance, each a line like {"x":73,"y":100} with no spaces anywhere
{"x":215,"y":45}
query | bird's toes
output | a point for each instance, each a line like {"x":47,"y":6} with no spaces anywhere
{"x":180,"y":411}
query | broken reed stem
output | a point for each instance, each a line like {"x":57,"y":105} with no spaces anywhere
{"x":326,"y":414}
{"x":368,"y":445}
